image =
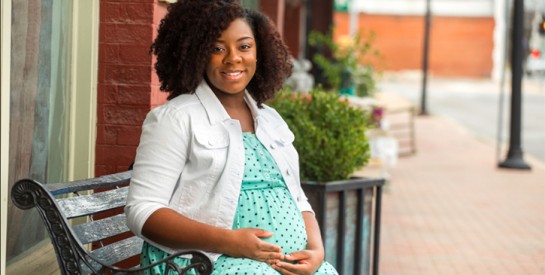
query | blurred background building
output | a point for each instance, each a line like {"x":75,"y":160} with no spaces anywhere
{"x":468,"y":37}
{"x":461,"y":38}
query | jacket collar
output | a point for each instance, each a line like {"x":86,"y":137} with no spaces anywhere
{"x":215,"y":110}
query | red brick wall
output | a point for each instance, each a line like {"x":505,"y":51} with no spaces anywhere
{"x":458,"y":46}
{"x":287,"y":22}
{"x":292,"y":31}
{"x":127,"y":86}
{"x":275,"y":10}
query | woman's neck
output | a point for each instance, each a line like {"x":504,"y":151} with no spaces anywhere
{"x":237,"y":108}
{"x":232,"y":102}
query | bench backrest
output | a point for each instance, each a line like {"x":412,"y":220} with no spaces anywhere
{"x":59,"y":204}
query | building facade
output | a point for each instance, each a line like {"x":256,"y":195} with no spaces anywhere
{"x":466,"y":36}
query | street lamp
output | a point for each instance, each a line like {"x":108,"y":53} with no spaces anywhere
{"x":423,"y":103}
{"x":514,"y":154}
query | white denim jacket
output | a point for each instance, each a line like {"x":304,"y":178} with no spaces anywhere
{"x":191,"y":159}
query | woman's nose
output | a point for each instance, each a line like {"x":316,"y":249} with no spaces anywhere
{"x":232,"y":57}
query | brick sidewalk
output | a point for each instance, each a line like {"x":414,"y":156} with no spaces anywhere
{"x":449,"y":210}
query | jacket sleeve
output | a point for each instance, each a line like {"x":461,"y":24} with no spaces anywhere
{"x":160,"y":159}
{"x":303,"y":204}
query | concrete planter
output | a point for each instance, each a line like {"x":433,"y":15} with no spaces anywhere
{"x":348,"y":213}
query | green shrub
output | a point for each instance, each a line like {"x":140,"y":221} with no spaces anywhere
{"x":329,"y":134}
{"x":348,"y":62}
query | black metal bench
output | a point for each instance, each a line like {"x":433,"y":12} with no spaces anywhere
{"x":90,"y":245}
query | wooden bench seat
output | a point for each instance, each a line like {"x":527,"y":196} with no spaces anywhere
{"x":83,"y":243}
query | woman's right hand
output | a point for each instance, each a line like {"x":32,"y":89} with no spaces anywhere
{"x":248,"y":243}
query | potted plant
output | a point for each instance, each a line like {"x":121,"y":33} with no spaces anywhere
{"x":346,"y":62}
{"x":330,"y":137}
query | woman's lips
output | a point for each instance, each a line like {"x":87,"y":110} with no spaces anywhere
{"x":232,"y":75}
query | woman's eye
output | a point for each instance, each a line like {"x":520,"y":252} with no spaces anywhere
{"x":245,"y":46}
{"x":218,"y":49}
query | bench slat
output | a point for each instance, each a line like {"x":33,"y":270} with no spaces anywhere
{"x":89,"y":184}
{"x":119,"y":251}
{"x":94,"y":203}
{"x":86,"y":270}
{"x":101,"y":229}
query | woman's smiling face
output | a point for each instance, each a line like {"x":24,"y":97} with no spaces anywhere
{"x":232,"y":63}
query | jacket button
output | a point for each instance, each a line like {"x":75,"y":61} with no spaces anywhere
{"x":288,"y":172}
{"x":211,"y":142}
{"x":272,"y":146}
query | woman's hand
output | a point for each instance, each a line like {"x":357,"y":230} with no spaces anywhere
{"x":247,"y":243}
{"x":304,"y":262}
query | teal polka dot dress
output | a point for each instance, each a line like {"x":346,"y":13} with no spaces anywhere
{"x":264,"y":202}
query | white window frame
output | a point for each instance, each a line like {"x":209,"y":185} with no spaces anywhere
{"x":83,"y":95}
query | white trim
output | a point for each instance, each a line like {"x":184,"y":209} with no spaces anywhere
{"x":462,"y":8}
{"x":353,"y":19}
{"x":5,"y":53}
{"x":83,"y":89}
{"x":500,"y":32}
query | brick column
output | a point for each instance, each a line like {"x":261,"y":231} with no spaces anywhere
{"x":274,"y":9}
{"x":127,"y":85}
{"x":292,"y":28}
{"x":286,"y":15}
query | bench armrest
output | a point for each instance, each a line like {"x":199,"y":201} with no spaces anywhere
{"x":201,"y":263}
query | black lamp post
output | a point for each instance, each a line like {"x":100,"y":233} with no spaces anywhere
{"x":423,"y":103}
{"x":514,"y":154}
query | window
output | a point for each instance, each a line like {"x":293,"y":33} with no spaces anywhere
{"x":51,"y":126}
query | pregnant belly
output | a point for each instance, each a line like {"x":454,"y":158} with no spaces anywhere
{"x":274,"y":210}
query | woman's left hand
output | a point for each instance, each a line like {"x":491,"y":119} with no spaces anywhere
{"x":303,"y":262}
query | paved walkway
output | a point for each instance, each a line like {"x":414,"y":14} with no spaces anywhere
{"x":449,"y":210}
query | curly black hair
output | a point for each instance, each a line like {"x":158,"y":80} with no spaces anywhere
{"x":186,"y":38}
